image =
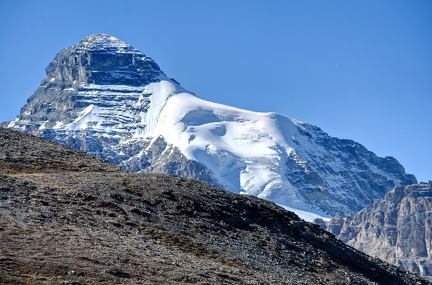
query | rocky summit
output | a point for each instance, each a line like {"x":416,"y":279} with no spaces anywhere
{"x":68,"y":218}
{"x":75,"y":74}
{"x":397,"y":229}
{"x":108,"y":99}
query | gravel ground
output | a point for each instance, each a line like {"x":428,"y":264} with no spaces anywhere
{"x":67,"y":218}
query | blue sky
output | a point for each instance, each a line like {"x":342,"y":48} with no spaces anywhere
{"x":359,"y":70}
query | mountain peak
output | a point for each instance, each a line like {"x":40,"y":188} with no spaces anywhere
{"x":107,"y":98}
{"x":100,"y":37}
{"x":105,"y":60}
{"x":104,"y":41}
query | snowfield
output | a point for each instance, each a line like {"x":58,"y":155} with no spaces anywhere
{"x":245,"y":150}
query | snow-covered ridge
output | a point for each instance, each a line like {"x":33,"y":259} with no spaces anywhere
{"x":247,"y":152}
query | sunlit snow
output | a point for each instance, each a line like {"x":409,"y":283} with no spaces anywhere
{"x":245,"y":151}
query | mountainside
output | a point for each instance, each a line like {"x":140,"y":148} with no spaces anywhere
{"x":397,"y":229}
{"x":67,"y":218}
{"x":106,"y":98}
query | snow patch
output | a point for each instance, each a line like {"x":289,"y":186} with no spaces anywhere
{"x":308,"y":215}
{"x":87,"y":118}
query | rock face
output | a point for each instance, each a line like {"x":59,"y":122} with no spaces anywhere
{"x":397,"y":229}
{"x":98,"y":60}
{"x":106,"y":98}
{"x":67,"y":218}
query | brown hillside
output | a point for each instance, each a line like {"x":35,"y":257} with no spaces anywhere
{"x":67,"y":218}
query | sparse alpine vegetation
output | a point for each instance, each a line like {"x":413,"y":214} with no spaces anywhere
{"x":67,"y":218}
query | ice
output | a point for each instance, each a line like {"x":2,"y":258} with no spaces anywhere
{"x":243,"y":149}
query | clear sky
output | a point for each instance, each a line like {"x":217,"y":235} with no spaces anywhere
{"x":359,"y":70}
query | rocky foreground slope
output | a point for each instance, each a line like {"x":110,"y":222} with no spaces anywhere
{"x":109,"y":99}
{"x":397,"y":229}
{"x":66,"y":218}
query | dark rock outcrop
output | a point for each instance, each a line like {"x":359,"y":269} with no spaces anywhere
{"x":334,"y":165}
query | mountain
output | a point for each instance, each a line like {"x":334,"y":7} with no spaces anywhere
{"x":397,"y":229}
{"x":107,"y":98}
{"x":68,"y":218}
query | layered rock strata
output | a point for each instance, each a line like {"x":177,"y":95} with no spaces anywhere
{"x":397,"y":229}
